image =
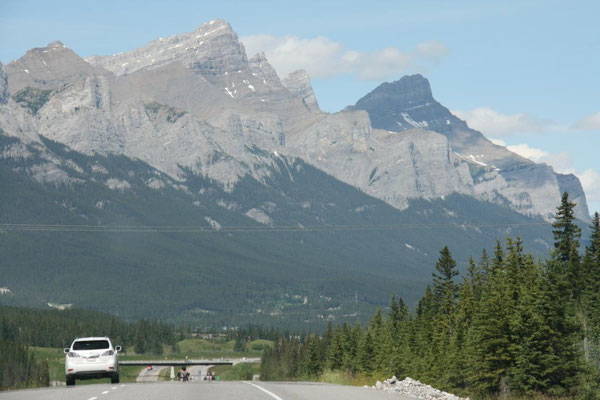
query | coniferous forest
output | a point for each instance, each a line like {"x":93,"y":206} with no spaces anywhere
{"x":511,"y":326}
{"x":21,"y":329}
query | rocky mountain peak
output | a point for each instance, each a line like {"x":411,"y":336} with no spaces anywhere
{"x":213,"y":24}
{"x":56,"y":43}
{"x":406,"y":104}
{"x":298,"y":82}
{"x":47,"y":67}
{"x":195,"y":100}
{"x":212,"y":49}
{"x":260,"y":66}
{"x":410,"y":90}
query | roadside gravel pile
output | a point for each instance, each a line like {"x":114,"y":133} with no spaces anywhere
{"x":412,"y":388}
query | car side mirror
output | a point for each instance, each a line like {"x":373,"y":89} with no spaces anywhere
{"x":117,"y":348}
{"x":67,"y":350}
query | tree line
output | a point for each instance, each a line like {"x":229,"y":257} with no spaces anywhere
{"x":53,"y":328}
{"x":512,"y":325}
{"x":22,"y":328}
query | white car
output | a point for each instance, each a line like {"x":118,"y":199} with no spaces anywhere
{"x":92,"y":357}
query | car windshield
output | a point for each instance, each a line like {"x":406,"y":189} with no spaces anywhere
{"x":91,"y":345}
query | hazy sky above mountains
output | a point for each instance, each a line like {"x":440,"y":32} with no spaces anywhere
{"x":525,"y":73}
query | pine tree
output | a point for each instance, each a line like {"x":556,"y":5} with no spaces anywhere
{"x":475,"y":277}
{"x":490,"y":359}
{"x":566,"y":246}
{"x":394,"y":338}
{"x":591,"y":291}
{"x":484,"y":265}
{"x":378,"y":336}
{"x":366,"y":352}
{"x":240,"y":345}
{"x":561,"y":360}
{"x":351,"y":361}
{"x":335,"y":351}
{"x":445,"y":289}
{"x":312,"y":357}
{"x":466,"y":308}
{"x":397,"y":314}
{"x":423,"y":335}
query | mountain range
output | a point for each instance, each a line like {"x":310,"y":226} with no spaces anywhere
{"x":185,"y":180}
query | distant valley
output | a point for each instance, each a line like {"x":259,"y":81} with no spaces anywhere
{"x":186,"y":180}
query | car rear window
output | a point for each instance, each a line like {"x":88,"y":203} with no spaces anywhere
{"x":91,"y":345}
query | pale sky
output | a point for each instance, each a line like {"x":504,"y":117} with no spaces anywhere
{"x":523,"y":72}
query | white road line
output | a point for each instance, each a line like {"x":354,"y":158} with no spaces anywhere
{"x":273,"y":395}
{"x":105,"y":392}
{"x":92,"y":398}
{"x":114,"y":388}
{"x":122,"y":385}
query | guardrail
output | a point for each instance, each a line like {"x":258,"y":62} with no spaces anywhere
{"x":168,"y":363}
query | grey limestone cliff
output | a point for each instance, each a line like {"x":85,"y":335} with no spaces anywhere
{"x":298,"y":82}
{"x":194,"y":102}
{"x":212,"y":49}
{"x":499,"y":174}
{"x":48,"y":67}
{"x":409,"y":103}
{"x":394,"y":167}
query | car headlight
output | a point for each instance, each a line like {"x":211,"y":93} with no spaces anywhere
{"x":71,"y":354}
{"x":108,"y":353}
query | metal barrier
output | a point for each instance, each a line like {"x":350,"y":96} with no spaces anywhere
{"x":168,"y":363}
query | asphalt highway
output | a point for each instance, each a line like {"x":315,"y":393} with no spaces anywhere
{"x":146,"y":375}
{"x":203,"y":390}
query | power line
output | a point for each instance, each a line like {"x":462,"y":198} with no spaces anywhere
{"x":243,"y":228}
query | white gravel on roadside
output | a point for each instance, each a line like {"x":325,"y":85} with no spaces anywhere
{"x":412,"y":388}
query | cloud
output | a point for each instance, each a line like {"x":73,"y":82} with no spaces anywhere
{"x":590,"y":180}
{"x":588,"y":123}
{"x":532,"y":153}
{"x":493,"y":123}
{"x":562,"y":163}
{"x":325,"y":58}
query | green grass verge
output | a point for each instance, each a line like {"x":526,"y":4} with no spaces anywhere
{"x":202,"y":348}
{"x":239,"y":372}
{"x":164,"y":374}
{"x":346,"y":378}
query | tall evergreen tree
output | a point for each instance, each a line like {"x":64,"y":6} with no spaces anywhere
{"x":475,"y":277}
{"x":466,"y":308}
{"x":591,"y":292}
{"x":335,"y":352}
{"x":312,"y":357}
{"x":351,"y":360}
{"x":529,"y":335}
{"x":444,"y":288}
{"x":566,"y":246}
{"x":561,"y":360}
{"x":366,"y":352}
{"x":490,"y":335}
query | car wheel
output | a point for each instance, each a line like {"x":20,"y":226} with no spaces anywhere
{"x":70,"y":380}
{"x":114,"y":379}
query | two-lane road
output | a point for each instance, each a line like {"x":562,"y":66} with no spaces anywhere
{"x":204,"y":390}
